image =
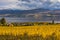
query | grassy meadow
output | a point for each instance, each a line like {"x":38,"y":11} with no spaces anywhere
{"x":31,"y":30}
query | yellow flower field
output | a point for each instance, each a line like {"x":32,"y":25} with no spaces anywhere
{"x":31,"y":30}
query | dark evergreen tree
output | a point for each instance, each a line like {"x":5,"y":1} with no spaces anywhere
{"x":3,"y":21}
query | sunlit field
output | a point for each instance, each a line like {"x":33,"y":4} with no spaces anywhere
{"x":43,"y":30}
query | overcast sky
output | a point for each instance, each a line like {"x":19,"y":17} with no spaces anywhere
{"x":28,"y":4}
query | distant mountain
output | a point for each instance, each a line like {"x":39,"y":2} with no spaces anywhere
{"x":24,"y":13}
{"x":7,"y":11}
{"x":21,"y":13}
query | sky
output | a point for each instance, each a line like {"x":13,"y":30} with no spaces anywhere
{"x":29,"y":4}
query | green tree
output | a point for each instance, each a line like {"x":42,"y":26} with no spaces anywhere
{"x":3,"y":21}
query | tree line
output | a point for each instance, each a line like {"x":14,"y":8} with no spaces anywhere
{"x":3,"y":22}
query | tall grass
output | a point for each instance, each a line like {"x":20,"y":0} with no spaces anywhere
{"x":31,"y":30}
{"x":25,"y":36}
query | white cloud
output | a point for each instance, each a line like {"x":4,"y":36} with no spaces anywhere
{"x":26,"y":4}
{"x":10,"y":4}
{"x":8,"y":0}
{"x":53,"y":0}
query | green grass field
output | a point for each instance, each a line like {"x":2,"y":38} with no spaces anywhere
{"x":31,"y":30}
